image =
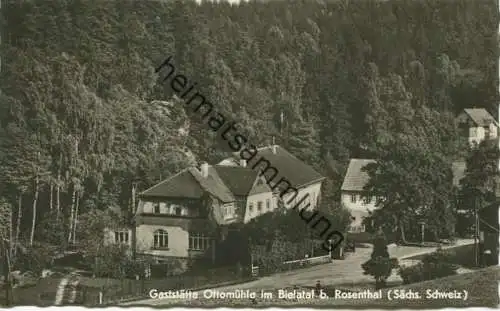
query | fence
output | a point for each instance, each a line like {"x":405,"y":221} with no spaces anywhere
{"x":297,"y":264}
{"x":300,"y":263}
{"x":113,"y":291}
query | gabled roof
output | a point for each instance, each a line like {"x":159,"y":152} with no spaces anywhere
{"x":297,"y":172}
{"x":355,"y":178}
{"x":480,"y":116}
{"x":213,"y":184}
{"x":182,"y":184}
{"x":228,"y":178}
{"x":239,"y":180}
{"x":190,"y":184}
{"x":458,"y":169}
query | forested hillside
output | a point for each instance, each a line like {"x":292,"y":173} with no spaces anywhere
{"x":84,"y":121}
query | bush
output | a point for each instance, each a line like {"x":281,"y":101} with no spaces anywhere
{"x":380,"y":264}
{"x":34,"y":258}
{"x":435,"y":265}
{"x":412,"y":274}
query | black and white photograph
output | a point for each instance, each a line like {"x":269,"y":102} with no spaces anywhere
{"x":250,"y":154}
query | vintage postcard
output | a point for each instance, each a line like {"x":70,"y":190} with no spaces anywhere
{"x":339,"y":154}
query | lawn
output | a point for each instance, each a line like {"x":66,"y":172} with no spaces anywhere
{"x":481,"y":287}
{"x":41,"y":294}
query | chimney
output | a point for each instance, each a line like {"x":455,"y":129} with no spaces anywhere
{"x":204,"y":169}
{"x":243,"y":163}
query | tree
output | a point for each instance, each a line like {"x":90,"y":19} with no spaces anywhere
{"x":380,"y":264}
{"x":410,"y":182}
{"x":481,"y":175}
{"x":6,"y":247}
{"x":480,"y":183}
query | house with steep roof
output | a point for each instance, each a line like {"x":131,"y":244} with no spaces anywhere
{"x":183,"y":217}
{"x":353,"y":194}
{"x":477,"y":125}
{"x":356,"y":199}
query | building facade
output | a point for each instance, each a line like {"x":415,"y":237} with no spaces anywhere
{"x":182,"y":218}
{"x":353,"y":195}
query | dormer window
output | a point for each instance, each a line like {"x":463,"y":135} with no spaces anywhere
{"x":156,"y":207}
{"x":228,"y":211}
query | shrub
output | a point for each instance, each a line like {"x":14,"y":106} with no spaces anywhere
{"x":34,"y":258}
{"x":412,"y":274}
{"x":439,"y":264}
{"x":380,"y":264}
{"x":435,"y":265}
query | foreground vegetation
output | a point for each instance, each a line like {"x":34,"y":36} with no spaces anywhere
{"x":482,"y":287}
{"x":85,"y":125}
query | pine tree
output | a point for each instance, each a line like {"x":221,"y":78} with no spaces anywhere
{"x":380,"y":265}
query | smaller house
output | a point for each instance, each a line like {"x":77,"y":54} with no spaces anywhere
{"x":353,"y":194}
{"x":477,"y":125}
{"x":355,"y":198}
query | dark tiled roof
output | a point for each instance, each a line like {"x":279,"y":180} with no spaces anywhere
{"x":213,"y":184}
{"x":192,"y":185}
{"x":480,"y":116}
{"x":288,"y":166}
{"x":355,"y":179}
{"x":458,"y":169}
{"x":238,"y":179}
{"x":182,"y":185}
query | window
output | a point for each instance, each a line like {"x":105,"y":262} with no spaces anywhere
{"x":360,"y":228}
{"x":259,"y":206}
{"x":178,"y":211}
{"x":156,"y":207}
{"x":121,"y":236}
{"x":367,"y":200}
{"x":268,"y":204}
{"x":160,"y":239}
{"x":353,"y":198}
{"x":199,"y":241}
{"x":250,"y":207}
{"x":228,"y":211}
